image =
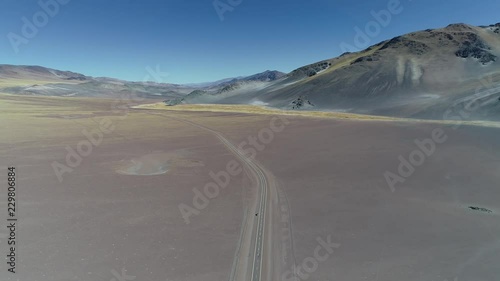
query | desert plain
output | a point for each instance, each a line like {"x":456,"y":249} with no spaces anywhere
{"x":113,"y":211}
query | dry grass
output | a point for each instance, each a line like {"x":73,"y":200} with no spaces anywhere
{"x":253,"y":109}
{"x":351,"y":58}
{"x":12,"y":82}
{"x":39,"y":120}
{"x":343,"y":62}
{"x":45,"y":119}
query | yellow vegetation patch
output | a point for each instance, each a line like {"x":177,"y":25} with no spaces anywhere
{"x":11,"y":82}
{"x":254,"y":109}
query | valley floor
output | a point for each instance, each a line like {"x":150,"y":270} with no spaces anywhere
{"x":82,"y":218}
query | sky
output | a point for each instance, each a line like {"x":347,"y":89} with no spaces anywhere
{"x":206,"y":40}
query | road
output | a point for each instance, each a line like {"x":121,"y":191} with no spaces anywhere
{"x":256,"y":258}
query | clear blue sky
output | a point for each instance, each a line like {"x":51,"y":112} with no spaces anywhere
{"x":120,"y":38}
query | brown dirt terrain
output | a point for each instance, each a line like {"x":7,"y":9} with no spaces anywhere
{"x":99,"y":221}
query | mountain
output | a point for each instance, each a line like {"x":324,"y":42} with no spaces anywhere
{"x":213,"y":92}
{"x":37,"y":80}
{"x":446,"y":73}
{"x":424,"y":74}
{"x":38,"y":73}
{"x":268,"y":75}
{"x":213,"y":83}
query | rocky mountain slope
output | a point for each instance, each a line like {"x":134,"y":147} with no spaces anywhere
{"x":423,"y":74}
{"x":446,"y":73}
{"x":37,"y":80}
{"x":38,"y":73}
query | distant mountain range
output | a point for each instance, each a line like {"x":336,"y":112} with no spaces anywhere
{"x":38,"y":72}
{"x":266,"y":76}
{"x":446,"y":73}
{"x":38,"y":80}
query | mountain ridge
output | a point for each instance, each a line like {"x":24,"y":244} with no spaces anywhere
{"x":419,"y":74}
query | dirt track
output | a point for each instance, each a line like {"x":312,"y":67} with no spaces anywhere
{"x":257,"y":237}
{"x":98,"y":221}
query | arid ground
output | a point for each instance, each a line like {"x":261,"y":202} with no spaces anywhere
{"x":112,"y":211}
